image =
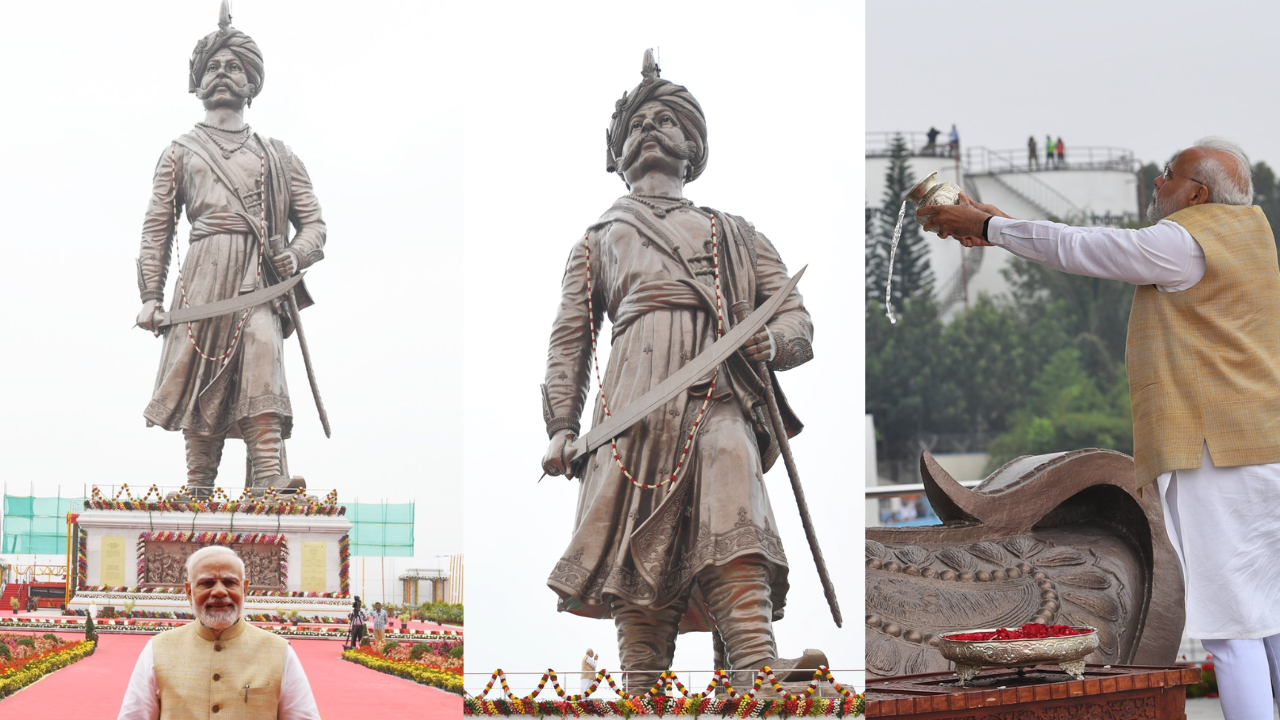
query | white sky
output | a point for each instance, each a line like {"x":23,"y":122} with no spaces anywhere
{"x":781,"y":87}
{"x":94,"y":93}
{"x":1149,"y":76}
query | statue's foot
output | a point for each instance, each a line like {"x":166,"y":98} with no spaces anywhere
{"x":296,"y":485}
{"x":261,"y":485}
{"x":799,"y":669}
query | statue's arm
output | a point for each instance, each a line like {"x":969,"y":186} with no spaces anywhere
{"x":569,"y":351}
{"x":791,"y":326}
{"x":304,"y":212}
{"x":158,"y":227}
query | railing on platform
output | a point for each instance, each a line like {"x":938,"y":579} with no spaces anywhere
{"x":880,"y":144}
{"x":979,"y":159}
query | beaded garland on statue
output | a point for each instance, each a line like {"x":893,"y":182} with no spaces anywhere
{"x":225,"y":357}
{"x":715,"y":256}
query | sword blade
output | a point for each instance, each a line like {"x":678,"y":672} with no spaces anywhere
{"x":685,"y":376}
{"x":230,"y":305}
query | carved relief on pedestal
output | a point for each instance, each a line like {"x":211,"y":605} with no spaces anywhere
{"x":1056,"y":539}
{"x":165,"y":563}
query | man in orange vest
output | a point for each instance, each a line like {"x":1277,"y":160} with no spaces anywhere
{"x":1203,"y":357}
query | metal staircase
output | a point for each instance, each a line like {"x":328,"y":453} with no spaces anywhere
{"x":1040,"y":195}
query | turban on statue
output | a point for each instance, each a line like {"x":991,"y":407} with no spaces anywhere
{"x":678,"y":99}
{"x":227,"y":38}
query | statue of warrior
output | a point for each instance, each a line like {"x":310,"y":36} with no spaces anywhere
{"x":224,"y":375}
{"x":674,"y":529}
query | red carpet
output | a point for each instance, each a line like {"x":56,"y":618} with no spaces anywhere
{"x":93,"y":688}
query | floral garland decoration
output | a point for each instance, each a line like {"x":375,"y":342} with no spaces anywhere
{"x":82,"y":562}
{"x":177,"y":590}
{"x":344,"y":564}
{"x":217,"y":502}
{"x":656,"y":701}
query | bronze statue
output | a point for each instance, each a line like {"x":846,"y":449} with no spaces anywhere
{"x":238,"y":292}
{"x":674,"y":529}
{"x":1057,"y":539}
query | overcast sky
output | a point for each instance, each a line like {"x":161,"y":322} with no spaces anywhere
{"x":780,"y":85}
{"x":1150,"y":76}
{"x":94,"y":93}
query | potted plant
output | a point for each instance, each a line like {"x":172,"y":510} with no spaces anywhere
{"x":293,"y":617}
{"x":281,"y":615}
{"x":13,"y":603}
{"x":128,"y":608}
{"x":404,"y":621}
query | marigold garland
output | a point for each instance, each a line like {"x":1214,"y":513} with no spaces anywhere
{"x":344,"y":564}
{"x":217,"y":502}
{"x":656,"y":701}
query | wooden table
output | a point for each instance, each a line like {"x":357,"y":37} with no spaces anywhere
{"x":1115,"y":692}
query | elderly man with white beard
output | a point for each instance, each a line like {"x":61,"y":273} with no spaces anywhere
{"x":1203,"y":357}
{"x":219,"y":665}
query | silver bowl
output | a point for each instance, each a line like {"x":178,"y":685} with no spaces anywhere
{"x":971,"y":656}
{"x":931,"y":192}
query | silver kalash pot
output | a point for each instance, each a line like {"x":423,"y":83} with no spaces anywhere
{"x":931,"y":192}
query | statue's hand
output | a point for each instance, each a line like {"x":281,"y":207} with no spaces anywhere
{"x":286,"y":265}
{"x":559,"y":459}
{"x":149,"y":316}
{"x":758,"y":347}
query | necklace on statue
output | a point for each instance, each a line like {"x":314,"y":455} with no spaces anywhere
{"x":662,"y":210}
{"x":228,"y":152}
{"x":706,"y":401}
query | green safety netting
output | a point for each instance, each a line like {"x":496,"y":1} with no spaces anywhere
{"x":381,"y":529}
{"x":36,"y":525}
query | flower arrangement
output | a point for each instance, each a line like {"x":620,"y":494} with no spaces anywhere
{"x":659,"y":700}
{"x":26,"y":664}
{"x":217,"y":502}
{"x":449,"y":678}
{"x":1208,"y":685}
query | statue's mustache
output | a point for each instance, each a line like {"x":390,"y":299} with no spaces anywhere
{"x":685,"y":150}
{"x":204,"y":91}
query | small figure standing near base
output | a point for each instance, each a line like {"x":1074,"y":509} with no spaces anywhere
{"x":589,"y":664}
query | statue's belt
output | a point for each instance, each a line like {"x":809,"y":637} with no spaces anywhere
{"x":686,"y":376}
{"x":230,"y":305}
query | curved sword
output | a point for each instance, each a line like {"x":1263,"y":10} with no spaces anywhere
{"x":684,"y":377}
{"x":230,"y":305}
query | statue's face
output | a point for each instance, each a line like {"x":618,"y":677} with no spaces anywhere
{"x":216,"y":589}
{"x":655,"y":141}
{"x":225,"y":83}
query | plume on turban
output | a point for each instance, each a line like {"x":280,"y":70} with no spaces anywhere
{"x":677,"y":98}
{"x":229,"y":38}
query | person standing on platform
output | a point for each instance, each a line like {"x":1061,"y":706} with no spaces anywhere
{"x":1049,"y":150}
{"x":1033,"y":158}
{"x":1062,"y":153}
{"x":219,"y":662}
{"x":589,"y":663}
{"x":954,"y":139}
{"x":931,"y":148}
{"x":356,"y":620}
{"x":1203,"y":358}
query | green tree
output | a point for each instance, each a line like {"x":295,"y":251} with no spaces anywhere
{"x":912,"y":275}
{"x":1266,"y":194}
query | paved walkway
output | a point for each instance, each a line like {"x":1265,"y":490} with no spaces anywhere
{"x":93,"y":688}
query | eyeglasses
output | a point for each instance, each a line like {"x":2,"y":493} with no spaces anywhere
{"x":1168,"y":174}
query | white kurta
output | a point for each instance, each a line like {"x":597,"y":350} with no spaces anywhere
{"x":1222,"y":522}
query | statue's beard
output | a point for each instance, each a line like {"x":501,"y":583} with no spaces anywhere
{"x":631,"y":150}
{"x":218,"y":618}
{"x":205,"y":91}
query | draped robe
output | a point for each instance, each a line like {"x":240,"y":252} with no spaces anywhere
{"x":656,"y":284}
{"x":208,"y":396}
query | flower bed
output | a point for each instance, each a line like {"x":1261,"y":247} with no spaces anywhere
{"x":432,"y":669}
{"x":26,"y":664}
{"x":662,"y":699}
{"x":156,"y":626}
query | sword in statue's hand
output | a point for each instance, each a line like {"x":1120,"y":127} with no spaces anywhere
{"x":277,"y":246}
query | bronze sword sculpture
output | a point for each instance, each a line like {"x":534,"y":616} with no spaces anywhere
{"x":277,"y":246}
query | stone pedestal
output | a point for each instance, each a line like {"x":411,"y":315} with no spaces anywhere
{"x":294,"y":561}
{"x":1120,"y":692}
